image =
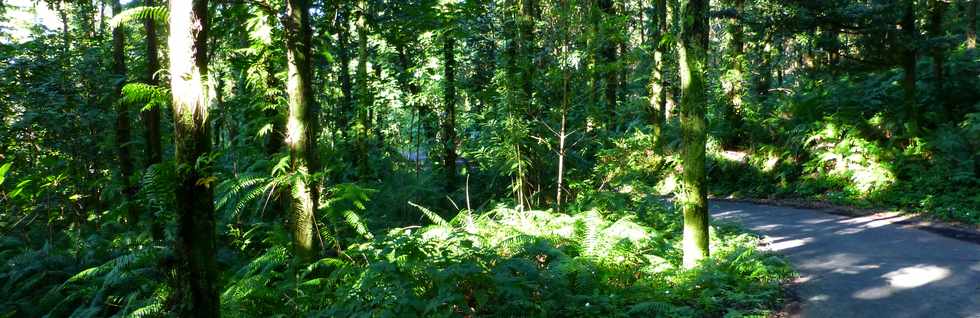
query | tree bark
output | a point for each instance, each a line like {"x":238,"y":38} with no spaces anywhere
{"x":197,"y":292}
{"x":123,"y":131}
{"x":658,"y":91}
{"x":692,"y":55}
{"x":301,"y":129}
{"x":449,"y":123}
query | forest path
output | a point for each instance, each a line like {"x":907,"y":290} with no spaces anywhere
{"x":868,"y":266}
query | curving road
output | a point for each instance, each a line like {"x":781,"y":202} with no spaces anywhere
{"x":868,"y":266}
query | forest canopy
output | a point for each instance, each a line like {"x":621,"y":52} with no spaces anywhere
{"x":459,"y":158}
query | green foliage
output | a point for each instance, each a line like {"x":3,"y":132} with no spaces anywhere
{"x":159,"y":15}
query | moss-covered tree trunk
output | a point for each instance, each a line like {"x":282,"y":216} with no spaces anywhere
{"x":733,"y":80}
{"x":609,"y":57}
{"x":692,"y":55}
{"x":198,"y":276}
{"x":123,"y":131}
{"x":301,"y":129}
{"x":658,"y":89}
{"x":449,"y":123}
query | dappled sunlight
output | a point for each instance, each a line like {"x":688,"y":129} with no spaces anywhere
{"x":784,"y":245}
{"x":904,"y":278}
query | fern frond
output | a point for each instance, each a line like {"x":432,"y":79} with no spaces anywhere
{"x":159,"y":14}
{"x":435,"y":218}
{"x":142,"y":93}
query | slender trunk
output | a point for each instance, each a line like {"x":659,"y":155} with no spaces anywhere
{"x":449,"y":124}
{"x":609,"y":57}
{"x":732,"y":116}
{"x":692,"y":54}
{"x":364,"y":98}
{"x":937,"y":8}
{"x":197,"y":292}
{"x":151,"y":117}
{"x":908,"y":65}
{"x":122,"y":118}
{"x":346,"y":98}
{"x":302,"y":128}
{"x":658,"y":91}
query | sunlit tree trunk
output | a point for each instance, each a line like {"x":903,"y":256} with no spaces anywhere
{"x":151,"y":117}
{"x":122,"y":118}
{"x":449,"y":123}
{"x":908,"y":57}
{"x":197,"y":292}
{"x":301,"y":128}
{"x":692,"y":54}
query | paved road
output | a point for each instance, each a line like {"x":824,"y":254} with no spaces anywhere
{"x":866,"y":266}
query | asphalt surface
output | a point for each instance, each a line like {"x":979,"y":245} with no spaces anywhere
{"x":871,"y":266}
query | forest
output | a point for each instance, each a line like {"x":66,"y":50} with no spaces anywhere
{"x":460,"y":158}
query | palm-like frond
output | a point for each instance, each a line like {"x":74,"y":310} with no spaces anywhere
{"x":159,"y":14}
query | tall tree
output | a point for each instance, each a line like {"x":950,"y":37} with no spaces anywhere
{"x":188,"y":47}
{"x":449,"y":96}
{"x":937,"y":8}
{"x":908,"y":62}
{"x":692,"y":55}
{"x":122,"y":117}
{"x":302,"y":128}
{"x":364,"y":97}
{"x":608,"y":54}
{"x":343,"y":52}
{"x":658,"y":89}
{"x":151,"y":116}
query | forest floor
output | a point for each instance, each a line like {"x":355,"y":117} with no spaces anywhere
{"x":879,"y":265}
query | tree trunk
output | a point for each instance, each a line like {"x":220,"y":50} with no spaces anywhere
{"x":692,"y":55}
{"x":122,"y":118}
{"x":609,"y":56}
{"x":449,"y":124}
{"x":733,"y":89}
{"x":364,"y":98}
{"x":937,"y":8}
{"x":346,"y":98}
{"x":658,"y":90}
{"x":302,"y":128}
{"x":151,"y":117}
{"x":908,"y":65}
{"x":197,"y":292}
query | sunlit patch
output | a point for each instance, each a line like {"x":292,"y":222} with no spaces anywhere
{"x":904,"y":278}
{"x":819,"y":298}
{"x":915,"y":276}
{"x":783,"y":245}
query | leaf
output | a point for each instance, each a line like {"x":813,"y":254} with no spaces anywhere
{"x":435,"y":218}
{"x":3,"y":171}
{"x":159,"y":14}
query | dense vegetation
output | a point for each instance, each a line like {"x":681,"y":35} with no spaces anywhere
{"x":402,"y":158}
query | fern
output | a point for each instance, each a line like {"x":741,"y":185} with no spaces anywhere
{"x":159,"y":14}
